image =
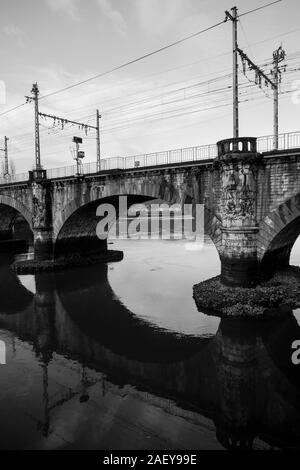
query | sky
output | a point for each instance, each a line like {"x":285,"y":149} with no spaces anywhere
{"x":180,"y":97}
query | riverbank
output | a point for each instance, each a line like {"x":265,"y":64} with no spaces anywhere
{"x":272,"y":299}
{"x":31,"y":266}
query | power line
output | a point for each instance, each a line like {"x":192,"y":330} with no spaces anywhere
{"x":126,"y":64}
{"x":149,"y":54}
{"x":172,"y":113}
{"x":12,"y":109}
{"x":190,"y":125}
{"x":136,"y":116}
{"x":213,"y":92}
{"x":193,"y":63}
{"x":147,"y":99}
{"x":245,"y":36}
{"x":259,"y":8}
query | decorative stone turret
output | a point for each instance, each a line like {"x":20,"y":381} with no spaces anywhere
{"x":238,"y":163}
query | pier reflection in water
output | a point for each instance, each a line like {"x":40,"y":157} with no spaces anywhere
{"x":86,"y":371}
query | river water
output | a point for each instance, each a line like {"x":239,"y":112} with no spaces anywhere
{"x":118,"y":357}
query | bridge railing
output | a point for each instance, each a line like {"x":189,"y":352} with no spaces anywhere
{"x":286,"y":141}
{"x":289,"y":140}
{"x":14,"y":178}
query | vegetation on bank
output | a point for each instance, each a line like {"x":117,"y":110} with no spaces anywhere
{"x":273,"y":298}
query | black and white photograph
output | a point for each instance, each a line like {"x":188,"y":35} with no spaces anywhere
{"x":149,"y":229}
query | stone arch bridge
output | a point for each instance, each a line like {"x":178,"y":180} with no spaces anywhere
{"x":251,"y":205}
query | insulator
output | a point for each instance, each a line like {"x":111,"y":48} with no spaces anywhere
{"x":244,"y":65}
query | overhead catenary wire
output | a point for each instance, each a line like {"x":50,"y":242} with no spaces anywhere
{"x":149,"y":54}
{"x":259,"y":8}
{"x":133,"y":107}
{"x":173,"y":113}
{"x":133,"y":61}
{"x":147,"y":99}
{"x":213,"y":91}
{"x":12,"y":109}
{"x":122,"y":107}
{"x":260,"y":99}
{"x":119,"y":67}
{"x":253,"y":44}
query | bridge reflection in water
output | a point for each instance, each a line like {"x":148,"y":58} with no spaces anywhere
{"x":84,"y":372}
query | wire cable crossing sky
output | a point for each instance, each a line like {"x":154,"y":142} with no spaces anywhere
{"x":138,"y":113}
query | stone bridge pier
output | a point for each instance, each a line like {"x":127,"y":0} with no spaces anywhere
{"x":258,"y":208}
{"x":42,"y":226}
{"x":238,"y":165}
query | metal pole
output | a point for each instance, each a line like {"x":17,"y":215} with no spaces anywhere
{"x":98,"y":116}
{"x":77,"y":157}
{"x":278,"y":56}
{"x":6,"y":169}
{"x":36,"y":92}
{"x":276,"y":107}
{"x":235,"y":74}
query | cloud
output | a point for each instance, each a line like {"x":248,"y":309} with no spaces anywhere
{"x":115,"y":16}
{"x":69,"y":7}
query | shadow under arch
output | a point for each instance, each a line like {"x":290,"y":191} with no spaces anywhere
{"x":89,"y":300}
{"x":76,"y":231}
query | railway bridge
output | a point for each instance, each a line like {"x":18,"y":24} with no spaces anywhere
{"x":251,"y":200}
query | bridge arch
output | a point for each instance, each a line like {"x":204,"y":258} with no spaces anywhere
{"x":278,"y":232}
{"x":146,"y":189}
{"x":75,"y":227}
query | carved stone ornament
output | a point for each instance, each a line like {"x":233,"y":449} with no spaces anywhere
{"x":39,"y":206}
{"x":238,"y":193}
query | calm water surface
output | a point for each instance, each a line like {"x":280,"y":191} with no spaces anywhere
{"x":118,"y":357}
